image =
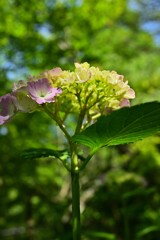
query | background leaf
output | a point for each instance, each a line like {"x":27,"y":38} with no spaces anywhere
{"x":122,"y":126}
{"x":101,"y":235}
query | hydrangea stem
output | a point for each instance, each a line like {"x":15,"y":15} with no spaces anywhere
{"x":58,"y":121}
{"x":75,"y":206}
{"x":75,"y":194}
{"x":74,"y":178}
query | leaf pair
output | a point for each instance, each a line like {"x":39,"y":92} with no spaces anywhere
{"x":120,"y":127}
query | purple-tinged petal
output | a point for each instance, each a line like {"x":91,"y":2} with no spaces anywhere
{"x":55,"y":72}
{"x":124,"y":103}
{"x":3,"y":119}
{"x":130,"y":94}
{"x":7,"y":108}
{"x":41,"y":91}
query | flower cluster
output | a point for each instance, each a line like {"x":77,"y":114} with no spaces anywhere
{"x":86,"y":90}
{"x":26,"y":97}
{"x":90,"y":89}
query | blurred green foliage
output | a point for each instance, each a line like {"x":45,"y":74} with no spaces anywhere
{"x":120,"y":188}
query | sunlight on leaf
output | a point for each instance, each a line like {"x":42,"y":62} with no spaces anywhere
{"x":122,"y":126}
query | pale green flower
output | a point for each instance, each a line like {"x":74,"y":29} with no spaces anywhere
{"x":90,"y":88}
{"x":83,"y":72}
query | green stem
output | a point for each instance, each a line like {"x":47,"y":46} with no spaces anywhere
{"x":75,"y":206}
{"x":74,"y":171}
{"x":58,"y":121}
{"x":75,"y":193}
{"x":80,"y":120}
{"x":82,"y":112}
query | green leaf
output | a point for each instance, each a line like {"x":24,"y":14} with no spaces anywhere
{"x":100,"y":235}
{"x":148,"y":230}
{"x":44,"y":152}
{"x":122,"y":126}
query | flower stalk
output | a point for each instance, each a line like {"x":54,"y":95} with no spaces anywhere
{"x":74,"y":178}
{"x":75,"y":193}
{"x":75,"y":206}
{"x":86,"y":93}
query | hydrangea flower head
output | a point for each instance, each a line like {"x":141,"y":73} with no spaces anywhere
{"x":87,"y":92}
{"x":97,"y":91}
{"x":41,"y":91}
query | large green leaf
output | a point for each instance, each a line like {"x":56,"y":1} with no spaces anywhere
{"x":122,"y":126}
